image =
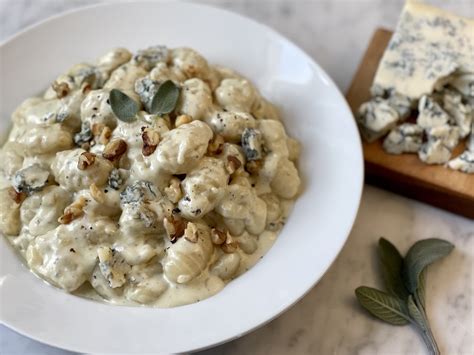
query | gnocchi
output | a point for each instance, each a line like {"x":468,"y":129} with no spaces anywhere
{"x":159,"y":207}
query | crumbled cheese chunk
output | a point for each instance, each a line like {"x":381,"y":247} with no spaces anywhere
{"x":449,"y":135}
{"x":461,"y":113}
{"x":376,"y":117}
{"x":430,"y":113}
{"x":463,"y":162}
{"x":406,"y":138}
{"x":434,"y":152}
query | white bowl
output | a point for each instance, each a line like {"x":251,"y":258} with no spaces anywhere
{"x":314,"y":112}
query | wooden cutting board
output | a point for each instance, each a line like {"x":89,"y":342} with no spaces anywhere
{"x":406,"y":174}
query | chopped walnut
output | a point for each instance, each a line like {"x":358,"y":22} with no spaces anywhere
{"x":62,"y":89}
{"x":114,"y":149}
{"x":97,"y":128}
{"x":150,"y":138}
{"x":191,"y":233}
{"x":230,"y":246}
{"x":86,"y":159}
{"x":73,"y":211}
{"x":174,"y":228}
{"x":253,"y":166}
{"x":17,"y":197}
{"x":173,"y":191}
{"x":97,"y":194}
{"x":216,"y":145}
{"x":233,"y":163}
{"x":218,"y":237}
{"x":182,"y":119}
{"x":105,"y":135}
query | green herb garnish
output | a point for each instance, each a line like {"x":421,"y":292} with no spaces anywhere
{"x":165,"y":99}
{"x":124,"y":107}
{"x":404,"y":280}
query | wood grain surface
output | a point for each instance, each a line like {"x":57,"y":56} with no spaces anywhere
{"x":405,"y":173}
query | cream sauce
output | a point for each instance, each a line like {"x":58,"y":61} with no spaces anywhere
{"x":103,"y":226}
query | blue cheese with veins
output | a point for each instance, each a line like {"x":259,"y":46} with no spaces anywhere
{"x":30,"y":179}
{"x":146,"y":88}
{"x":375,"y":118}
{"x":434,"y":152}
{"x":401,"y":103}
{"x":464,"y":83}
{"x":427,"y":47}
{"x":139,"y":192}
{"x":406,"y":138}
{"x":252,"y":144}
{"x":461,"y":113}
{"x":113,"y":266}
{"x":430,"y":113}
{"x":464,"y":162}
{"x":449,"y":135}
{"x":151,"y":56}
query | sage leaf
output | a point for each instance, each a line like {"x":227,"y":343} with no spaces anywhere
{"x":124,"y":107}
{"x":415,"y":313}
{"x":392,"y":266}
{"x":420,"y":291}
{"x":420,"y":255}
{"x":383,"y":305}
{"x":165,"y":99}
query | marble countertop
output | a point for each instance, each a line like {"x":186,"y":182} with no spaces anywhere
{"x":328,"y":320}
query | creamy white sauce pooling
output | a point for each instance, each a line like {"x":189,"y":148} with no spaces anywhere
{"x":162,"y":210}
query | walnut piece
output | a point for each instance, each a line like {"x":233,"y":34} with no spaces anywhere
{"x":105,"y":135}
{"x":62,"y":89}
{"x":17,"y":197}
{"x":86,"y":159}
{"x":233,"y":163}
{"x":150,"y":138}
{"x":73,"y":211}
{"x":174,"y":228}
{"x":253,"y":166}
{"x":114,"y":149}
{"x":191,"y":233}
{"x":230,"y":246}
{"x":216,"y":145}
{"x":173,"y":191}
{"x":218,"y":237}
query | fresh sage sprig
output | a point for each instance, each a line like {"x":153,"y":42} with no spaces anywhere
{"x":165,"y":99}
{"x":404,"y":279}
{"x":124,"y":107}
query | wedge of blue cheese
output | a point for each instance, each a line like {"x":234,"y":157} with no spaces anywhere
{"x":429,"y":45}
{"x":406,"y":138}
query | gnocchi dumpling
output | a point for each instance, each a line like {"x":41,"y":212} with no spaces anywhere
{"x":236,"y":95}
{"x":181,"y":148}
{"x":68,"y":172}
{"x":9,"y":214}
{"x":185,"y":259}
{"x":195,"y":99}
{"x":203,"y":187}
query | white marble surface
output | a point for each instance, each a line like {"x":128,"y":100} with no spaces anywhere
{"x":328,"y":320}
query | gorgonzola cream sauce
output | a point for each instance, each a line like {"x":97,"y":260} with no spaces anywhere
{"x":161,"y":210}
